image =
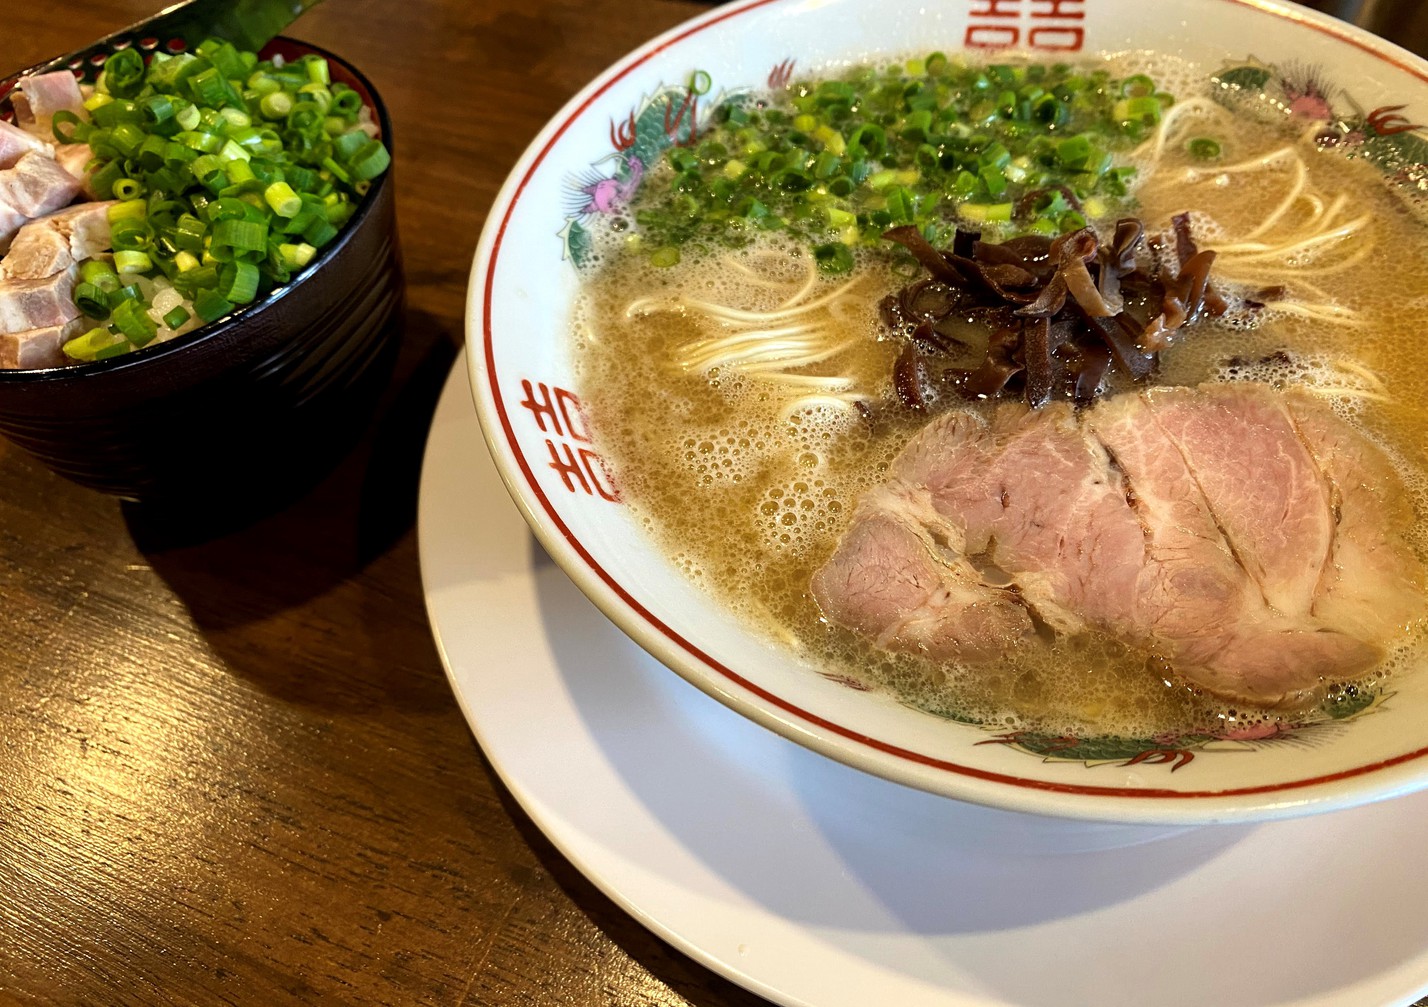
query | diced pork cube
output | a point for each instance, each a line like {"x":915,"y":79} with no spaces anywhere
{"x":74,"y":158}
{"x":39,"y":96}
{"x":56,"y":241}
{"x":10,"y":223}
{"x":36,"y":348}
{"x":16,"y":142}
{"x":37,"y":185}
{"x":37,"y":304}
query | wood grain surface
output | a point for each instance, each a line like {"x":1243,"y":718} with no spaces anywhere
{"x":231,"y":770}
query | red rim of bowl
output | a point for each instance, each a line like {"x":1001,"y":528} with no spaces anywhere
{"x":1379,"y":49}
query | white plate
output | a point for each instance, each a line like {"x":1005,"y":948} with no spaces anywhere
{"x":814,"y":884}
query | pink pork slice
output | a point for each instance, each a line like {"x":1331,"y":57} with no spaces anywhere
{"x":1221,"y":515}
{"x":1251,"y":537}
{"x":1371,"y":585}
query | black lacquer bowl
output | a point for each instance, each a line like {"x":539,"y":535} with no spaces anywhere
{"x":270,"y":394}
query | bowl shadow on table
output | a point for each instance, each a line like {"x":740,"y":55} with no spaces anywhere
{"x":958,"y":870}
{"x":302,"y":545}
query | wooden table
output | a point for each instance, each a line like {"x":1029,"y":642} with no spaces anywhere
{"x":231,"y":770}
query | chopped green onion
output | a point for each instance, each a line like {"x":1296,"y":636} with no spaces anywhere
{"x":337,"y":170}
{"x":127,"y":188}
{"x":198,"y":278}
{"x":319,"y":95}
{"x":1144,"y":110}
{"x":133,"y":321}
{"x":228,"y":174}
{"x":1137,"y":86}
{"x":239,"y":173}
{"x":210,"y":305}
{"x":1074,"y":152}
{"x":319,"y":232}
{"x":994,"y":179}
{"x":1202,"y":148}
{"x":211,"y":89}
{"x":97,"y":272}
{"x":91,"y":300}
{"x":189,"y":116}
{"x":131,"y":234}
{"x":89,"y":345}
{"x":296,"y":256}
{"x":986,"y":213}
{"x":105,"y":176}
{"x":130,"y":292}
{"x":833,"y":257}
{"x":123,"y":74}
{"x":244,"y":235}
{"x":132,"y":209}
{"x":346,"y":103}
{"x":317,"y":70}
{"x":284,"y":201}
{"x":78,"y":131}
{"x":923,"y":142}
{"x":132,"y":262}
{"x":276,"y":105}
{"x":238,"y":282}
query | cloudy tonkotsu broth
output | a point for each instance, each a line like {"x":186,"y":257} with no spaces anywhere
{"x":748,"y":493}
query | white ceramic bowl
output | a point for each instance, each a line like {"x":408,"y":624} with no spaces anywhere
{"x":522,"y":286}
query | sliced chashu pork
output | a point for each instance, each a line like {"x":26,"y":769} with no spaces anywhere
{"x":982,"y":526}
{"x":900,"y":584}
{"x":1223,"y":518}
{"x":1153,"y":518}
{"x":1263,"y":489}
{"x":1372,"y":585}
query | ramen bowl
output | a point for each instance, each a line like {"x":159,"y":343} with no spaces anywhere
{"x":251,"y":404}
{"x":524,"y":283}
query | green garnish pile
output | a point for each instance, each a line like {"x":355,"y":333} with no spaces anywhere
{"x":930,"y":142}
{"x":231,"y":173}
